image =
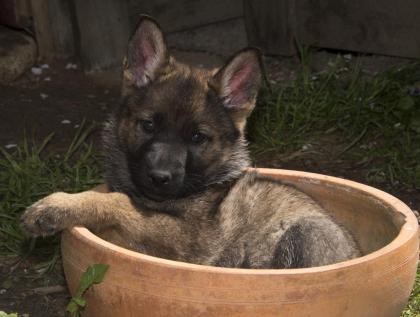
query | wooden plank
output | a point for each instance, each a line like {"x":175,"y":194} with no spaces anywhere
{"x":223,"y":38}
{"x":104,"y":29}
{"x":54,"y":28}
{"x":184,"y":14}
{"x":8,"y":12}
{"x":23,"y":13}
{"x":42,"y":27}
{"x":15,"y":13}
{"x":384,"y":27}
{"x":270,"y":25}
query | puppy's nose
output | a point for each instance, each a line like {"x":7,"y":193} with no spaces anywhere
{"x":160,"y":177}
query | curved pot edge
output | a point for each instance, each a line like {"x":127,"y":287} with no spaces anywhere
{"x":409,"y":231}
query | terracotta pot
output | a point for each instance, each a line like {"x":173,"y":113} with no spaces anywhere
{"x":377,"y":284}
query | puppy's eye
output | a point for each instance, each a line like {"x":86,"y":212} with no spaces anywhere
{"x":199,"y":138}
{"x":147,"y":125}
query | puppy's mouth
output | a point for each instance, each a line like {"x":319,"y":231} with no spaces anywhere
{"x":158,"y":197}
{"x":155,"y":195}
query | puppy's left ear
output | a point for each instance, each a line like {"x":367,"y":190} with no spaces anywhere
{"x":238,"y":82}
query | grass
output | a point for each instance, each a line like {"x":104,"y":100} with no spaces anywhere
{"x":32,"y":172}
{"x":413,"y":307}
{"x":374,"y":120}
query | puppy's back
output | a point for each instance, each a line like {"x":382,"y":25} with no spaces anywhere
{"x":271,"y":225}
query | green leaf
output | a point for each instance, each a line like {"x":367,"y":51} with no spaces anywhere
{"x":80,"y":301}
{"x":72,"y":307}
{"x":93,"y":275}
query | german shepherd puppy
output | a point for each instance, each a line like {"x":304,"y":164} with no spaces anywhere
{"x":176,"y":162}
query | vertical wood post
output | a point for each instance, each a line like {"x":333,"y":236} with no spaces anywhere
{"x":104,"y":31}
{"x":54,"y":28}
{"x":270,"y":25}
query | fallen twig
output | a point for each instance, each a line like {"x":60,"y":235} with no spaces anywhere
{"x":46,"y":290}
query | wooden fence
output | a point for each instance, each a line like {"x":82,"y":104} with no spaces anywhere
{"x":97,"y":30}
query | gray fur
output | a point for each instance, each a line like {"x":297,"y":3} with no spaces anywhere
{"x":270,"y":225}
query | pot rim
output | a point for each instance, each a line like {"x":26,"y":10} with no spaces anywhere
{"x":408,"y":231}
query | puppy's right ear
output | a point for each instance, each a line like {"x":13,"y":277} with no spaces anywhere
{"x":147,"y":53}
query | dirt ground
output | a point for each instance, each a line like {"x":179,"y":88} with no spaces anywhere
{"x":57,"y":101}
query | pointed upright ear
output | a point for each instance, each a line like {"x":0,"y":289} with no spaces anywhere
{"x":147,"y":53}
{"x":238,"y":82}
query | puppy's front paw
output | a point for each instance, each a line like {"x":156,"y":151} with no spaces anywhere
{"x":47,"y":216}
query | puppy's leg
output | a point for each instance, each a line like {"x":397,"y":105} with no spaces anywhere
{"x":153,"y":233}
{"x":59,"y":211}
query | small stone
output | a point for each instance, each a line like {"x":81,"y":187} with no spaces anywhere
{"x":43,"y":96}
{"x":36,"y":71}
{"x":347,"y":56}
{"x":71,"y":66}
{"x":45,"y":66}
{"x":76,"y":126}
{"x":65,"y":121}
{"x":47,"y":79}
{"x":3,"y":291}
{"x":10,"y":146}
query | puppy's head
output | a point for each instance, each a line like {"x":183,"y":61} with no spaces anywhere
{"x":178,"y":129}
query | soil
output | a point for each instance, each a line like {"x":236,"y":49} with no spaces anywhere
{"x":25,"y":291}
{"x":58,"y":100}
{"x":55,"y":102}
